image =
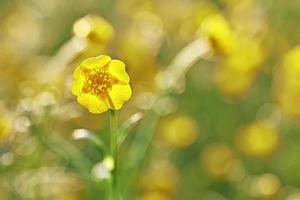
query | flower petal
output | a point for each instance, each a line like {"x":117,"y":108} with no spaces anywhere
{"x":92,"y":103}
{"x":117,"y":69}
{"x":78,"y":82}
{"x":95,"y":62}
{"x":118,"y":94}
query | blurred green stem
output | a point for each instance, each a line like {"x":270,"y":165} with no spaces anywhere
{"x":169,"y":83}
{"x":65,"y":150}
{"x":138,"y":150}
{"x":114,"y":132}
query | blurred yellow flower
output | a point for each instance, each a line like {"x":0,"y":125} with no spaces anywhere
{"x":291,"y":61}
{"x":161,"y":176}
{"x":155,"y":196}
{"x":95,"y":28}
{"x":238,"y":71}
{"x":288,"y":84}
{"x":233,"y":82}
{"x":248,"y":56}
{"x":265,"y":186}
{"x":221,"y":162}
{"x":101,"y":83}
{"x":5,"y":123}
{"x":259,"y":139}
{"x":4,"y":127}
{"x":219,"y":33}
{"x":179,"y":131}
{"x":93,"y":34}
{"x":294,"y":196}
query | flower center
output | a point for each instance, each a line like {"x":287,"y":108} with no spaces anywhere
{"x":98,"y":83}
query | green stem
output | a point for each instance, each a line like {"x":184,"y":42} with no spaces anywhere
{"x":138,"y":150}
{"x":177,"y":70}
{"x":114,"y":132}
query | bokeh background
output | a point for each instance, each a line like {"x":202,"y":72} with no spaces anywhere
{"x":229,"y":132}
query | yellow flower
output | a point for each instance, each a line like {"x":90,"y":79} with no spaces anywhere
{"x":5,"y":127}
{"x":6,"y":121}
{"x":259,"y":139}
{"x":288,"y":83}
{"x":94,"y":28}
{"x":155,"y":196}
{"x":220,"y":161}
{"x":265,"y":186}
{"x":101,"y":83}
{"x":219,"y":33}
{"x":239,"y":70}
{"x":233,"y":82}
{"x":161,"y":176}
{"x":179,"y":131}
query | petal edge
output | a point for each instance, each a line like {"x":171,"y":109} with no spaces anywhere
{"x":92,"y":103}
